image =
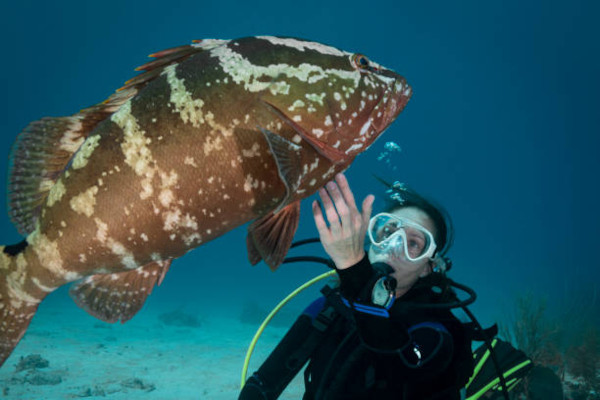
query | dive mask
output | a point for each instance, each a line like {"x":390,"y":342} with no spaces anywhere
{"x":391,"y":235}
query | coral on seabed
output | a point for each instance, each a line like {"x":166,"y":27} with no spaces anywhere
{"x":576,"y":361}
{"x":32,"y":361}
{"x":583,"y":361}
{"x":533,"y":332}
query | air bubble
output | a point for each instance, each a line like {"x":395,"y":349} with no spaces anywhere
{"x":391,"y":149}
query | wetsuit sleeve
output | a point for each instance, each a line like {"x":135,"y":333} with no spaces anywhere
{"x":353,"y":279}
{"x":286,"y":360}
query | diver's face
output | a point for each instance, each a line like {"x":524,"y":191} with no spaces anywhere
{"x":407,"y":272}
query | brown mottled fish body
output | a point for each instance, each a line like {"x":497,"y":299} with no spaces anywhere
{"x":209,"y":137}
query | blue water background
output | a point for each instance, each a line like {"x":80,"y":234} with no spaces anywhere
{"x":503,"y":128}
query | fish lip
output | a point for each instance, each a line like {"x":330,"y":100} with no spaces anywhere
{"x":393,"y":101}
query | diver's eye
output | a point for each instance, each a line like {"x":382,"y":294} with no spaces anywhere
{"x":362,"y":63}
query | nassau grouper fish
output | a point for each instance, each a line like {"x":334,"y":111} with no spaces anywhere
{"x":208,"y":137}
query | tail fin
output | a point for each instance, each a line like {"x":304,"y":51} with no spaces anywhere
{"x":16,"y":306}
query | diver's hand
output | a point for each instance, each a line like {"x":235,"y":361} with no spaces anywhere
{"x":344,"y":238}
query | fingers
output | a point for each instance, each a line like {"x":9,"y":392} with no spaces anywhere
{"x":319,"y":220}
{"x":340,"y":206}
{"x":343,"y":212}
{"x":367,"y":208}
{"x":345,"y":189}
{"x":330,"y":211}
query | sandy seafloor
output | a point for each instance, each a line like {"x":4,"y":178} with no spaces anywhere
{"x":142,"y":359}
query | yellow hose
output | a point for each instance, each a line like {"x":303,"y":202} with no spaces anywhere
{"x":270,"y":317}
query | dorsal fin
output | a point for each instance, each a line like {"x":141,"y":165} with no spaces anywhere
{"x":43,"y":149}
{"x":167,"y":57}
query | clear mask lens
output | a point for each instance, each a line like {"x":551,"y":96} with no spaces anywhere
{"x":394,"y":235}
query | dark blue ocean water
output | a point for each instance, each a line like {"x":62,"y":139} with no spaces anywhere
{"x":503,"y":128}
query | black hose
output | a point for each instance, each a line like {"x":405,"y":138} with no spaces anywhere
{"x":330,"y":264}
{"x":305,"y":241}
{"x":321,"y":260}
{"x":455,"y":304}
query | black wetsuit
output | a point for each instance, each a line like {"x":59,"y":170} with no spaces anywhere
{"x":405,"y":352}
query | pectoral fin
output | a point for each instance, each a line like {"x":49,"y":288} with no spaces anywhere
{"x":332,"y":154}
{"x":288,"y":157}
{"x":119,"y":296}
{"x":270,"y":237}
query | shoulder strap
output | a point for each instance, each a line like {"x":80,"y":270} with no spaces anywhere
{"x":334,"y":300}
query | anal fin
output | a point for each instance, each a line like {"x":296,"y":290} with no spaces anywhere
{"x":270,"y":237}
{"x":118,"y":296}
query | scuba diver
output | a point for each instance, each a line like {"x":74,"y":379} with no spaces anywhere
{"x":384,"y":332}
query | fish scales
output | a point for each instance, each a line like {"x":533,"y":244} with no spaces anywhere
{"x":217,"y":134}
{"x":176,"y":217}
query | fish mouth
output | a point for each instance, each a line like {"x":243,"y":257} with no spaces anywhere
{"x":392,"y":102}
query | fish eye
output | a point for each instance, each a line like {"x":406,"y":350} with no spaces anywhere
{"x":361,"y":62}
